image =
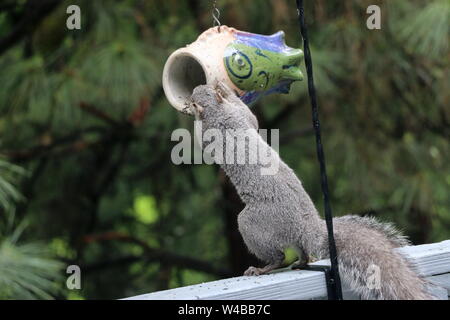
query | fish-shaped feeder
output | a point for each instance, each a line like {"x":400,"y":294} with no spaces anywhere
{"x":252,"y":65}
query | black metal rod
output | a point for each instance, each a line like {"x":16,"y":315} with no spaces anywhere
{"x":334,"y":279}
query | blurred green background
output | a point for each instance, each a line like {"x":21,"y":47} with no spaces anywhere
{"x":85,"y":170}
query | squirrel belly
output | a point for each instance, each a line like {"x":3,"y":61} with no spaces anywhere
{"x":279,"y":213}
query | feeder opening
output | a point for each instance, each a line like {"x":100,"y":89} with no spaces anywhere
{"x":185,"y":74}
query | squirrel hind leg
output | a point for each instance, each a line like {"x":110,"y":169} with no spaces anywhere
{"x":266,"y":247}
{"x":302,"y":261}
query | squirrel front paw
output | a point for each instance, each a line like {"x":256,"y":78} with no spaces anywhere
{"x":195,"y":109}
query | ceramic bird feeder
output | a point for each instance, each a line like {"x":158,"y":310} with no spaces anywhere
{"x":252,"y":65}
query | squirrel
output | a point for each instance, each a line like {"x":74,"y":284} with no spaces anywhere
{"x":279,"y":213}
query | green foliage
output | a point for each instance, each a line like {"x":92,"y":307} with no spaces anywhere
{"x":145,"y":209}
{"x":83,"y":113}
{"x":415,"y":30}
{"x":27,"y":271}
{"x":9,"y":173}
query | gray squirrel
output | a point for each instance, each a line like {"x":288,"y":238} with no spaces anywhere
{"x":280,"y":214}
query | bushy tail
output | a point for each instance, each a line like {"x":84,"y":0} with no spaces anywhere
{"x":369,"y":264}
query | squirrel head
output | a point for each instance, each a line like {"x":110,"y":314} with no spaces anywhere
{"x":203,"y":94}
{"x":202,"y":97}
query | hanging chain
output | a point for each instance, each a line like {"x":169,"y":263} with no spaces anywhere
{"x":333,"y":279}
{"x":216,"y":15}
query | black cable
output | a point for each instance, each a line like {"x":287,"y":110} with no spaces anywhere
{"x":334,"y":279}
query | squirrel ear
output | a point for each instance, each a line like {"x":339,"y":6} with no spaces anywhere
{"x":219,"y":96}
{"x":223,"y":91}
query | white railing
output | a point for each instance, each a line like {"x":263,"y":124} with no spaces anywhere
{"x":430,"y":260}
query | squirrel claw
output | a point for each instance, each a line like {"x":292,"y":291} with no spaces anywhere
{"x":253,"y":271}
{"x":298,"y":265}
{"x":195,"y":108}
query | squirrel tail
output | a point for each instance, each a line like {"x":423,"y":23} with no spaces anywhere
{"x":370,"y":266}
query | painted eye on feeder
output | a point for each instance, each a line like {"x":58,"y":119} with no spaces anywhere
{"x":239,"y":65}
{"x":238,"y":60}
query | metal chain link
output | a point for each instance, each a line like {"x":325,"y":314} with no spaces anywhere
{"x":215,"y":14}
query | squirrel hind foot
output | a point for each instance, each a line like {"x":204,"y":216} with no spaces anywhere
{"x":254,"y":271}
{"x":299,"y":264}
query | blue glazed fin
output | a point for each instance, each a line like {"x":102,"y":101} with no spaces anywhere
{"x":278,"y":37}
{"x":274,"y":42}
